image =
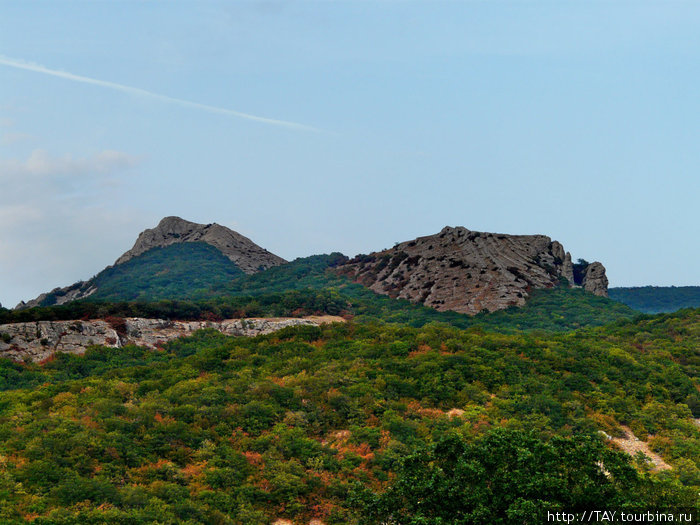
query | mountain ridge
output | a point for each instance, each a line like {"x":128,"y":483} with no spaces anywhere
{"x":456,"y":269}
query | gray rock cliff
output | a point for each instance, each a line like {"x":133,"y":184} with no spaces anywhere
{"x":467,"y":271}
{"x":37,"y":341}
{"x":247,"y":255}
{"x":595,"y":280}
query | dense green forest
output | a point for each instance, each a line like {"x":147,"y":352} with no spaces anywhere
{"x":178,"y":271}
{"x":339,"y":423}
{"x":402,"y":414}
{"x":657,"y":299}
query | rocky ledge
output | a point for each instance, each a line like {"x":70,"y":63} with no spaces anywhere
{"x":37,"y":341}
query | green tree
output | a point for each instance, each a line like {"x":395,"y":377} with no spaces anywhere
{"x":509,"y":476}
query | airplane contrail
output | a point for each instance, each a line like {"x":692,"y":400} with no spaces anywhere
{"x":38,"y":68}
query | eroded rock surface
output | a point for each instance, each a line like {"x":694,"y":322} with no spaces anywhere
{"x":467,"y":271}
{"x":247,"y":255}
{"x":595,"y":280}
{"x":39,"y":340}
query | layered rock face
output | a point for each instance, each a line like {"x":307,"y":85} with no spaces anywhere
{"x":243,"y":252}
{"x":79,"y":290}
{"x":39,"y":340}
{"x":467,"y":271}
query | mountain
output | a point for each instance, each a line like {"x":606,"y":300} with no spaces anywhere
{"x":243,"y":252}
{"x":169,"y":261}
{"x":657,"y":299}
{"x":468,"y":271}
{"x":178,"y":271}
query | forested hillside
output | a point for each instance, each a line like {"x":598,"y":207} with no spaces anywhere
{"x":657,"y":299}
{"x":178,"y":271}
{"x":354,"y":423}
{"x":315,"y":423}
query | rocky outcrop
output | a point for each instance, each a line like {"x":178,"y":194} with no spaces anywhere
{"x":57,"y":296}
{"x":243,"y":252}
{"x":39,"y":340}
{"x":595,"y":280}
{"x":467,"y":271}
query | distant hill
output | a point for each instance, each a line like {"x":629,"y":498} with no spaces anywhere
{"x":558,"y":308}
{"x":177,"y":271}
{"x":228,"y":254}
{"x":657,"y":299}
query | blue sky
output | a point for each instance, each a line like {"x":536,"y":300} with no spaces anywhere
{"x":384,"y":121}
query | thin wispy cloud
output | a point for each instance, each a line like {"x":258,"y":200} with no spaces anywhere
{"x":38,"y":68}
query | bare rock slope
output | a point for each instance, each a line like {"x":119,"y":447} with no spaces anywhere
{"x":468,"y":271}
{"x":39,"y":340}
{"x":247,"y":255}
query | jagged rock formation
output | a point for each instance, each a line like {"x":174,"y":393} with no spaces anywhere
{"x":39,"y":340}
{"x":595,"y":280}
{"x":243,"y":252}
{"x":79,"y":290}
{"x":467,"y":271}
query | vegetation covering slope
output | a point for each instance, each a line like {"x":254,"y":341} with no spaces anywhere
{"x":178,"y":271}
{"x":657,"y":299}
{"x":560,"y":308}
{"x":317,"y":422}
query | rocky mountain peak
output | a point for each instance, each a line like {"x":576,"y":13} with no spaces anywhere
{"x":468,"y":271}
{"x":243,"y":252}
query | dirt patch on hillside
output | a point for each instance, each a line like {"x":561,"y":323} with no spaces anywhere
{"x":632,"y":444}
